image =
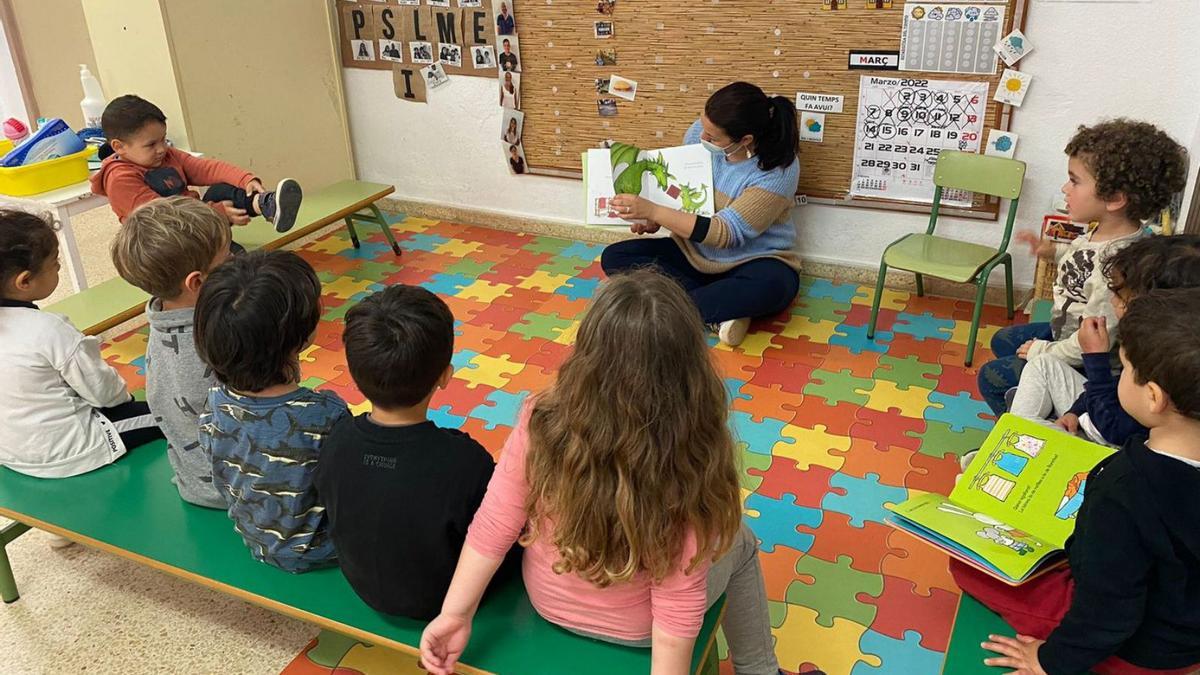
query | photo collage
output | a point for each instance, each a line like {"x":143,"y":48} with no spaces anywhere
{"x":609,"y":88}
{"x":508,"y":60}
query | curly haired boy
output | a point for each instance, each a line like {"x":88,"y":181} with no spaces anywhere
{"x":1120,"y":172}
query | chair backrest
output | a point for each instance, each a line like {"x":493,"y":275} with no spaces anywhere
{"x":996,"y":176}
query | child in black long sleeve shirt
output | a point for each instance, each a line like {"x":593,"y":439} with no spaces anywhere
{"x":1130,"y":601}
{"x":400,"y":491}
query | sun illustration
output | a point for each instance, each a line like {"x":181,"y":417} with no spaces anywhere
{"x":1013,"y":84}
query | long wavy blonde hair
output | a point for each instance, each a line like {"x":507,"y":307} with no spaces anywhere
{"x":630,"y":450}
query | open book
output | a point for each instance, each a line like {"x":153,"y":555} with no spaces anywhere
{"x":1014,"y":507}
{"x":679,"y":178}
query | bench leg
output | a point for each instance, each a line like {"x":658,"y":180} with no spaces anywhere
{"x":377,"y":217}
{"x":8,"y":585}
{"x":350,"y":229}
{"x":372,"y":215}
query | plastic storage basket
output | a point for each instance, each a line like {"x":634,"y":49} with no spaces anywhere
{"x":45,"y":176}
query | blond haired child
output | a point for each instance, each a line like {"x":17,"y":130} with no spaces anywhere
{"x":167,"y":248}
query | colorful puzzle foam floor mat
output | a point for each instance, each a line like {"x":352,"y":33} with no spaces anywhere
{"x":831,"y":426}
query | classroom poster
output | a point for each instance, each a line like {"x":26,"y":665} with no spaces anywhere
{"x":950,"y":38}
{"x":902,"y":125}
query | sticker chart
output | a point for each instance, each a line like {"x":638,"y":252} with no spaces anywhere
{"x":950,"y":38}
{"x":902,"y":126}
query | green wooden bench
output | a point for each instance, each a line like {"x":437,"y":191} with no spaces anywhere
{"x":115,"y":301}
{"x":972,"y":624}
{"x":133,"y":510}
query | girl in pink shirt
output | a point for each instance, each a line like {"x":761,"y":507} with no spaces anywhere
{"x":621,"y":483}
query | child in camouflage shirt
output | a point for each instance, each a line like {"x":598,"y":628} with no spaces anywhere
{"x":264,"y":431}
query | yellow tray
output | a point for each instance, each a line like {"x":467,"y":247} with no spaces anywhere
{"x":44,"y":176}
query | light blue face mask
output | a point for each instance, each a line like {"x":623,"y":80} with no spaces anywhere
{"x":725,"y":151}
{"x":716,"y":149}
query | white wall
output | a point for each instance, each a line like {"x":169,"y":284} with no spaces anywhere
{"x":1091,"y":60}
{"x":12,"y":103}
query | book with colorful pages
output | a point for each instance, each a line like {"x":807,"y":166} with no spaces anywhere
{"x":1014,"y":507}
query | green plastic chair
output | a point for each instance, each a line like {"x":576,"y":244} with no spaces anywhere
{"x":951,"y":259}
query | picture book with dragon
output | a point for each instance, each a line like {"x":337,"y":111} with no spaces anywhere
{"x":679,"y":178}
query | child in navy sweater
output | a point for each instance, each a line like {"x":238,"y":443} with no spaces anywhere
{"x":1087,"y":403}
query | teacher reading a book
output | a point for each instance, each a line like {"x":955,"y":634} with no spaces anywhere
{"x":740,"y":263}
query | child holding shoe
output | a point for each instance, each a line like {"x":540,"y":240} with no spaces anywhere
{"x":144,"y":167}
{"x":1087,"y":403}
{"x":621,"y":483}
{"x":66,"y":411}
{"x":167,"y":248}
{"x":400,"y":490}
{"x":254,"y":316}
{"x":1129,"y":601}
{"x":1120,"y":173}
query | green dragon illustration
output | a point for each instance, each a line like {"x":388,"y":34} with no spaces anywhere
{"x":629,"y":180}
{"x":693,"y":198}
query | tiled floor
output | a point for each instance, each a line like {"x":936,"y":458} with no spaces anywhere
{"x":832,"y":426}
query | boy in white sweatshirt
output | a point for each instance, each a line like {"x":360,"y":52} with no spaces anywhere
{"x":1120,"y":172}
{"x":66,"y":411}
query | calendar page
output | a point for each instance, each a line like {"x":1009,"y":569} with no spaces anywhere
{"x":902,"y":126}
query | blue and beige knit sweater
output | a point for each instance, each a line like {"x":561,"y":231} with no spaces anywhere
{"x":752,"y":215}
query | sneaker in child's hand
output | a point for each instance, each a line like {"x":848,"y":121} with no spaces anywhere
{"x":281,"y":206}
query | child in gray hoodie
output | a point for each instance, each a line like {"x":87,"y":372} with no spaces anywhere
{"x":167,"y":247}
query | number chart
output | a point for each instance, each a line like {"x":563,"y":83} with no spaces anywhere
{"x":902,"y":126}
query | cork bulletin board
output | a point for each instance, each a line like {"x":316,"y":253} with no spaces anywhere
{"x":681,"y":52}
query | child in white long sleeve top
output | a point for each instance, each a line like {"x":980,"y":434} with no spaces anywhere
{"x":66,"y":411}
{"x":1120,"y":173}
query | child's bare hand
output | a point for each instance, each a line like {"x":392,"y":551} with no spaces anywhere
{"x":1093,"y":335}
{"x":255,"y":186}
{"x":1023,"y":350}
{"x":1029,"y":238}
{"x":1068,"y":422}
{"x":1043,"y":248}
{"x":235,"y":215}
{"x":1019,"y":653}
{"x":644,"y":228}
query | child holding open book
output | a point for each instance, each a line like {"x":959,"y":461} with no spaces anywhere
{"x":1129,"y":601}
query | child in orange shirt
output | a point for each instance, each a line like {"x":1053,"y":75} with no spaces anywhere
{"x":143,"y":168}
